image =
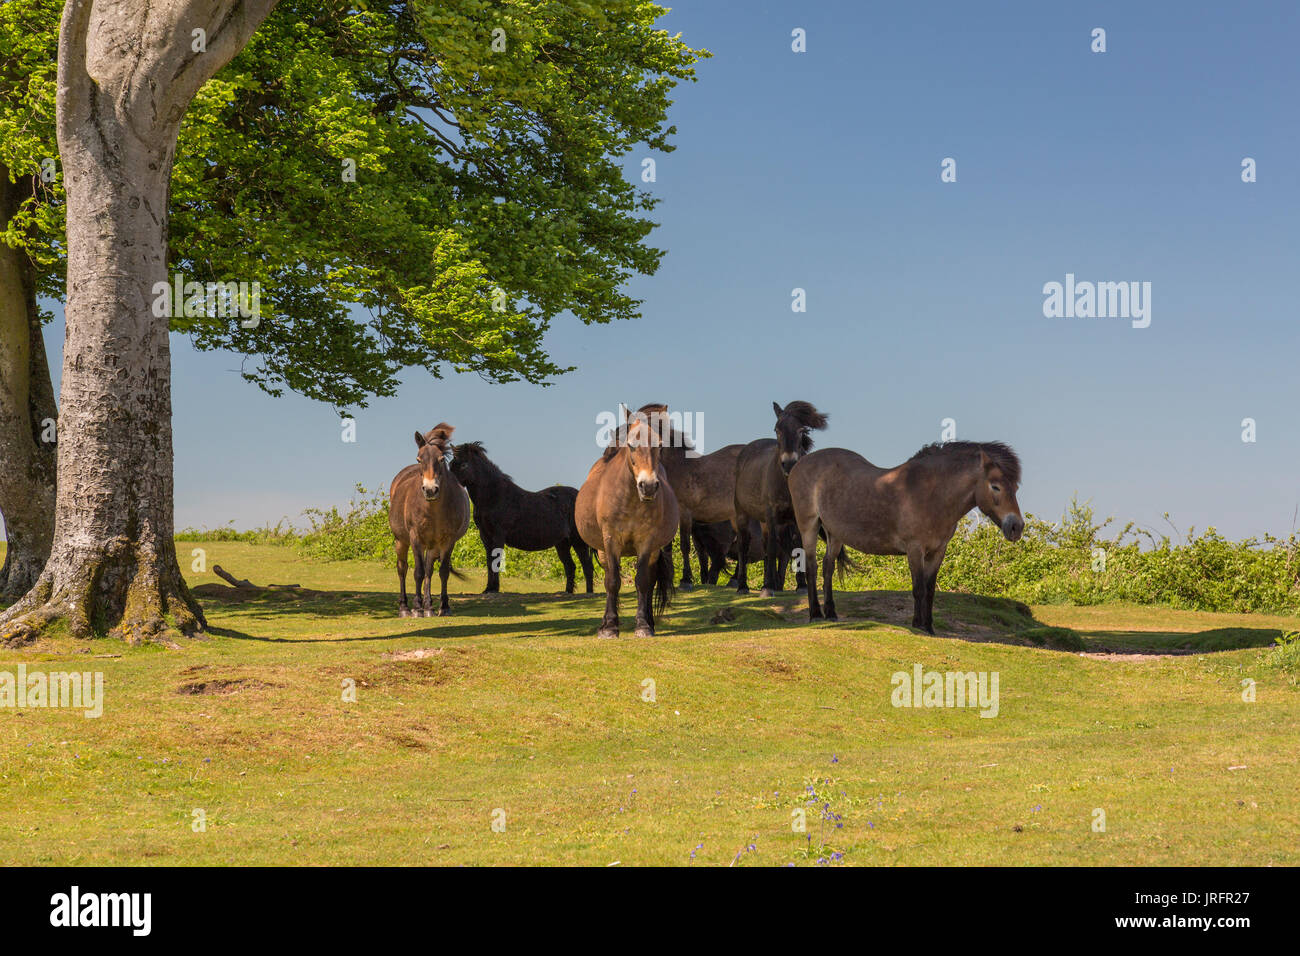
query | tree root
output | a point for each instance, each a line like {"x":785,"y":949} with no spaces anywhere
{"x":113,"y":594}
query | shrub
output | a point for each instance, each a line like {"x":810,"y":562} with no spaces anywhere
{"x":1072,"y":561}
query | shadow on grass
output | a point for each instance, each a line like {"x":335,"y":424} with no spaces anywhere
{"x":713,"y":610}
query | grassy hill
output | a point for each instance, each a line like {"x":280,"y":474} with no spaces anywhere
{"x":513,"y":705}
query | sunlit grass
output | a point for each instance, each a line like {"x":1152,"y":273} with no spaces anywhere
{"x":515,"y":705}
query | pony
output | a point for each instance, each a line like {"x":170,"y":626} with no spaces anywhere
{"x":912,"y":509}
{"x":705,"y":487}
{"x":428,"y":512}
{"x":761,"y":492}
{"x":507,"y":515}
{"x":627,"y":506}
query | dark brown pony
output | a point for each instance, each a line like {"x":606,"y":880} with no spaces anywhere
{"x":761,"y":492}
{"x":912,"y":509}
{"x":528,"y":520}
{"x":428,"y":511}
{"x":705,"y":487}
{"x":626,"y":506}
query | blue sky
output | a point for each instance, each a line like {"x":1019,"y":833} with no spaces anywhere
{"x":820,"y":170}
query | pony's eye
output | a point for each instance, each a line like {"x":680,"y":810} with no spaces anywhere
{"x":997,"y":489}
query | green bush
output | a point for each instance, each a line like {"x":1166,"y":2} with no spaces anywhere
{"x":1072,"y":561}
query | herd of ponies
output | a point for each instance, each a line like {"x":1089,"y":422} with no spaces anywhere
{"x":769,"y":499}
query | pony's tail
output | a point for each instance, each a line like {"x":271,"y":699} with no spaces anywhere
{"x":663,"y":586}
{"x":843,"y":563}
{"x":452,"y":571}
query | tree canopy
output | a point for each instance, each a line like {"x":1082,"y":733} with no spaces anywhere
{"x":411,"y":183}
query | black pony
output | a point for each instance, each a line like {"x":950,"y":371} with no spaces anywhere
{"x":528,"y":520}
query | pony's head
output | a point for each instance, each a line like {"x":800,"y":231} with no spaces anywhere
{"x":995,"y":492}
{"x":642,"y":434}
{"x":793,"y":424}
{"x":470,"y":463}
{"x":431,"y":453}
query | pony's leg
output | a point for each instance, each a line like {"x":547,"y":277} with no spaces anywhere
{"x":810,"y":570}
{"x":833,"y":548}
{"x":430,"y":557}
{"x":741,"y":575}
{"x":566,"y":559}
{"x":584,"y":558}
{"x":929,"y":599}
{"x":613,"y":581}
{"x":418,"y":553}
{"x":401,"y":546}
{"x":931,"y":577}
{"x":770,"y":548}
{"x":687,"y":582}
{"x":444,"y":572}
{"x":645,"y":583}
{"x":916,"y":563}
{"x":490,"y":546}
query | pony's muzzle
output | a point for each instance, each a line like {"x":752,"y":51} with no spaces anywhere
{"x":431,"y":492}
{"x":647,"y":488}
{"x":787,"y":464}
{"x":1013,"y":526}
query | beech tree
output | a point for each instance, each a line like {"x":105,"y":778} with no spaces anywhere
{"x":421,"y":184}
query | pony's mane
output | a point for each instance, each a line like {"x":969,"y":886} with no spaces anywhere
{"x":1000,"y":454}
{"x":439,"y":435}
{"x":806,"y":414}
{"x":473,"y":451}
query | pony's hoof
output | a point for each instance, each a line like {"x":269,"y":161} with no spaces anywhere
{"x":607,"y":632}
{"x":766,"y":592}
{"x":686,"y":586}
{"x":743,"y":592}
{"x":832,"y":616}
{"x":644,"y":632}
{"x":800,"y":590}
{"x":403,"y":612}
{"x":444,"y":612}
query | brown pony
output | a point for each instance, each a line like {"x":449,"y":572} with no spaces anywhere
{"x":705,"y":487}
{"x":428,"y":511}
{"x":912,"y":509}
{"x":761,"y":492}
{"x":627,"y":506}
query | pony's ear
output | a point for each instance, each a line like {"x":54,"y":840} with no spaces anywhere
{"x":624,"y":413}
{"x":420,"y":440}
{"x":777,"y":408}
{"x":985,"y":461}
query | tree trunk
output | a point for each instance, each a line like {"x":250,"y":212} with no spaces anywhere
{"x":127,"y":71}
{"x":26,"y":404}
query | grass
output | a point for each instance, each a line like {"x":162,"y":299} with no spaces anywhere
{"x":512,"y":704}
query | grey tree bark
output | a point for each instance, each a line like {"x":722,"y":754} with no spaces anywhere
{"x":26,"y":404}
{"x":128,"y":69}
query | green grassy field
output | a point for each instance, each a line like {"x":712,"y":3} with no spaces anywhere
{"x":513,"y":705}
